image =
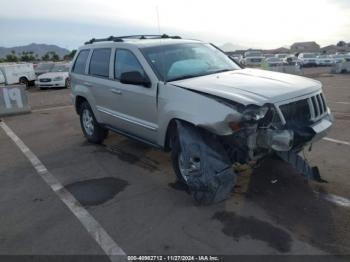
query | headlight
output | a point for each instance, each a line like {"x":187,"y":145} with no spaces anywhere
{"x":58,"y":78}
{"x":254,"y":113}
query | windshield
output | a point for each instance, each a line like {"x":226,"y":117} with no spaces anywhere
{"x":181,"y":61}
{"x":60,"y":68}
{"x":253,"y":54}
{"x":282,"y":55}
{"x":309,"y":55}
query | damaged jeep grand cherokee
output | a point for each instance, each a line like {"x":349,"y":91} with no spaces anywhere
{"x":188,"y":97}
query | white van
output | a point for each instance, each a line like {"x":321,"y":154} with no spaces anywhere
{"x":2,"y":79}
{"x":15,"y":73}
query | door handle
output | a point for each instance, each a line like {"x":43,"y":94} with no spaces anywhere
{"x":87,"y":84}
{"x":116,"y":91}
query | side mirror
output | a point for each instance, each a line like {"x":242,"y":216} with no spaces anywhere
{"x":134,"y":78}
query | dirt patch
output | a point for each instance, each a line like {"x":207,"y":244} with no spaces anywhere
{"x":96,"y":191}
{"x":238,"y":226}
{"x":291,"y":201}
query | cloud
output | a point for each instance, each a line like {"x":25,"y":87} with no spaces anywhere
{"x":256,"y":23}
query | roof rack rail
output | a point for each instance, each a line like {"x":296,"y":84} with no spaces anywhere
{"x":140,"y":37}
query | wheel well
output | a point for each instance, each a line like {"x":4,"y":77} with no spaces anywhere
{"x":24,"y":78}
{"x":170,"y":132}
{"x":79,"y":100}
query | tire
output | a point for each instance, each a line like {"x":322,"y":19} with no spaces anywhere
{"x":175,"y":155}
{"x":209,"y":182}
{"x":67,"y":83}
{"x":93,"y":132}
{"x":24,"y":81}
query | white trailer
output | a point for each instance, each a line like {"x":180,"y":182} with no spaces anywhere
{"x":15,"y":73}
{"x":2,"y":79}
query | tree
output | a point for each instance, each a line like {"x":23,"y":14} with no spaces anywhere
{"x":341,"y":44}
{"x":27,"y":56}
{"x":55,"y":57}
{"x":12,"y":57}
{"x":50,"y":56}
{"x":70,"y":55}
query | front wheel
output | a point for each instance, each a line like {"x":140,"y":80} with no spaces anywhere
{"x":177,"y":159}
{"x":67,"y":83}
{"x":93,"y":132}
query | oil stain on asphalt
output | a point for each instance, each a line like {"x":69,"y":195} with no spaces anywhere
{"x":96,"y":191}
{"x":238,"y":226}
{"x":292,"y":203}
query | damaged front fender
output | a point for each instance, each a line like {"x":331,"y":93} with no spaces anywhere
{"x":206,"y":168}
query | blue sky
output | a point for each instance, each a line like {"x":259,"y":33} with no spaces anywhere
{"x":252,"y":23}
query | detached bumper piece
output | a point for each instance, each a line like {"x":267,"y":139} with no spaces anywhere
{"x":208,"y":170}
{"x":301,"y":165}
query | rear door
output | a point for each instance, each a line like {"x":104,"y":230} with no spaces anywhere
{"x":100,"y":83}
{"x":136,"y":107}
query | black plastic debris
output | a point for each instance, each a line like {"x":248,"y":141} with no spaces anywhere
{"x":301,"y":165}
{"x":208,"y":170}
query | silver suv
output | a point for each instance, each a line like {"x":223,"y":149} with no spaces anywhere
{"x":188,"y":97}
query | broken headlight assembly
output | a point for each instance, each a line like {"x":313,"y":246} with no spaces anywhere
{"x":254,"y":113}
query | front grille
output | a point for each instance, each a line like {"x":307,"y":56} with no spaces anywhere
{"x":45,"y":80}
{"x":304,"y":111}
{"x":296,"y":112}
{"x":318,"y":106}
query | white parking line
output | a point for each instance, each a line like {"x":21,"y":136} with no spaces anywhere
{"x":338,"y":200}
{"x":344,"y":103}
{"x":95,"y":230}
{"x":337,"y":141}
{"x":51,"y":108}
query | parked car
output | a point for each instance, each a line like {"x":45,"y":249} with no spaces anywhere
{"x":338,"y":58}
{"x":14,"y":73}
{"x":291,"y":60}
{"x":237,"y":58}
{"x":268,"y":55}
{"x":307,"y":59}
{"x":324,"y":60}
{"x":253,"y":58}
{"x":188,"y":97}
{"x":57,"y":77}
{"x":273,"y":61}
{"x":43,"y":67}
{"x":281,"y":56}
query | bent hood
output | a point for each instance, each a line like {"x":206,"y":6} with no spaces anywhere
{"x":252,"y":86}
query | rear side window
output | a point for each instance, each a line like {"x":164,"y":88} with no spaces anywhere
{"x":80,"y":62}
{"x":99,"y":63}
{"x":125,"y":61}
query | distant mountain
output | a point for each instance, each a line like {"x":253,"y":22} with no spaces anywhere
{"x":228,"y":47}
{"x":39,"y":49}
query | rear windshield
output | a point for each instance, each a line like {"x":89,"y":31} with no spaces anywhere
{"x":80,"y":62}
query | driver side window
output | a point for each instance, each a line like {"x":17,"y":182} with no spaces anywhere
{"x":125,"y":61}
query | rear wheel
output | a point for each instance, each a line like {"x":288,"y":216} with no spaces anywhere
{"x":24,"y":81}
{"x":93,"y":132}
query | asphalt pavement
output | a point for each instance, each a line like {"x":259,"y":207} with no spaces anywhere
{"x":129,"y":190}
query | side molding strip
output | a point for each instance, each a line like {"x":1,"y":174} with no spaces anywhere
{"x":126,"y":119}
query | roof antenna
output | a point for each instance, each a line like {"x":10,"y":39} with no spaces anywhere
{"x":157,"y":11}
